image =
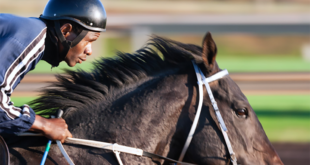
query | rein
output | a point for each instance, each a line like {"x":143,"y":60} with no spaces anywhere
{"x":108,"y":146}
{"x":202,"y":80}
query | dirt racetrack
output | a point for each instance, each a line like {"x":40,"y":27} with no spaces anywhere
{"x":293,"y":153}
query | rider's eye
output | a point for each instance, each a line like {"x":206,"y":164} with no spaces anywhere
{"x":242,"y":112}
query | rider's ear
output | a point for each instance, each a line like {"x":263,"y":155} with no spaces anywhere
{"x":209,"y":51}
{"x":66,"y":29}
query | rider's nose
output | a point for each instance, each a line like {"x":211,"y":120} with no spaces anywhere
{"x":88,"y":50}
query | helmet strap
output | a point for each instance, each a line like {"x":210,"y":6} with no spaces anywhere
{"x":66,"y":43}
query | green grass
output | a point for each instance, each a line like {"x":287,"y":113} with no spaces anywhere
{"x":285,"y":118}
{"x":263,"y":64}
{"x":286,"y":129}
{"x":20,"y":101}
{"x":280,"y":102}
{"x":44,"y":67}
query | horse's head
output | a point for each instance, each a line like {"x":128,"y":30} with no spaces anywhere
{"x":248,"y":139}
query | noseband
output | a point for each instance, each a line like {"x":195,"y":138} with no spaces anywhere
{"x":202,"y":80}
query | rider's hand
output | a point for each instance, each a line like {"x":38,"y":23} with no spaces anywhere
{"x":54,"y":129}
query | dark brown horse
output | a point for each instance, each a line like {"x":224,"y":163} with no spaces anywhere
{"x":148,"y":100}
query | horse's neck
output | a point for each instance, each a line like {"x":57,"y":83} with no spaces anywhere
{"x":144,"y":118}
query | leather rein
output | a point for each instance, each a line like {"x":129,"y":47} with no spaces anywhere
{"x":202,"y":80}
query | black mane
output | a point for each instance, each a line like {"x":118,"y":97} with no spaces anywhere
{"x":80,"y":88}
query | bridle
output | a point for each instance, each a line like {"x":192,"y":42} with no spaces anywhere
{"x":202,"y":80}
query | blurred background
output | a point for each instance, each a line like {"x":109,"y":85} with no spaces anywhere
{"x":264,"y":44}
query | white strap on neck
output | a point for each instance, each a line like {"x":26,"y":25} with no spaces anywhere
{"x":201,"y":79}
{"x":195,"y":122}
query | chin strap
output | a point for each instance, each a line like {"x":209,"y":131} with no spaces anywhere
{"x":66,"y":43}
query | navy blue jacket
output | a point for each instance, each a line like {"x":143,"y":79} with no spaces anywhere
{"x":22,"y":43}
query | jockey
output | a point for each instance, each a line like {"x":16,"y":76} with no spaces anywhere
{"x":64,"y":32}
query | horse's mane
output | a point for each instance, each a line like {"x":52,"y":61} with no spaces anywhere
{"x":80,"y":88}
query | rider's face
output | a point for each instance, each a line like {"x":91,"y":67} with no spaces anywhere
{"x":78,"y":53}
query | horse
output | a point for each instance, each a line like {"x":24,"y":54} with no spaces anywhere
{"x":148,"y":100}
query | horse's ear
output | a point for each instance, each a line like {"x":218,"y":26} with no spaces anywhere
{"x":209,"y":51}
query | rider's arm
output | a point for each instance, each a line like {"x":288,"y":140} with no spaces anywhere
{"x":20,"y":119}
{"x":14,"y":119}
{"x":22,"y":44}
{"x":21,"y":47}
{"x":17,"y":120}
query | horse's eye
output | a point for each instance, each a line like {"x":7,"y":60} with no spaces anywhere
{"x":242,"y":112}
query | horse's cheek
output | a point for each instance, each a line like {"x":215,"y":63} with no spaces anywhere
{"x":207,"y":145}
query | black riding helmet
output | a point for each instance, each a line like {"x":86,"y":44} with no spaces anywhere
{"x":90,"y":14}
